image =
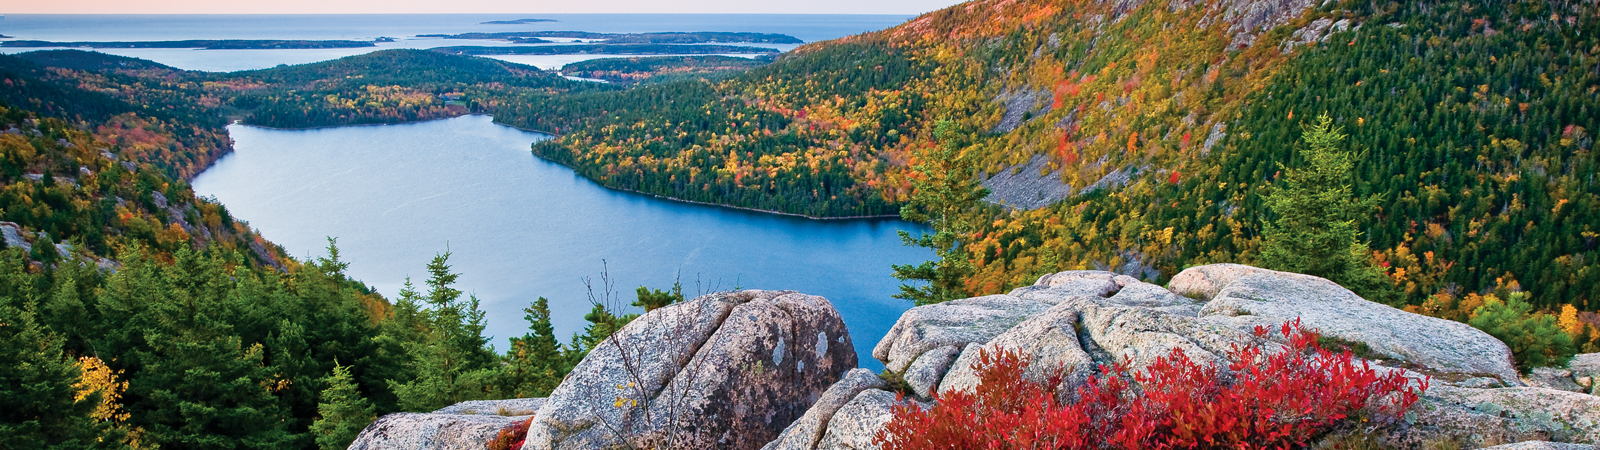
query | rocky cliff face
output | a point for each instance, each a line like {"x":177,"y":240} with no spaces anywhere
{"x":773,"y":369}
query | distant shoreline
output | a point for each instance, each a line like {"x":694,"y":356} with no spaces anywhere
{"x":597,"y":182}
{"x":516,"y":22}
{"x":224,"y":44}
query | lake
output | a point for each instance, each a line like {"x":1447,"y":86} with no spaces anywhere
{"x":520,"y":227}
{"x":402,"y":27}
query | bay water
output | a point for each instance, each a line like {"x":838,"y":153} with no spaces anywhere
{"x":404,"y":28}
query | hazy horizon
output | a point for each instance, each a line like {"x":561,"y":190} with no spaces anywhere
{"x":480,"y":7}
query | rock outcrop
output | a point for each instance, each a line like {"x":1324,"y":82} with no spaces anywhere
{"x":1079,"y":320}
{"x":463,"y":426}
{"x":1245,"y":297}
{"x":727,"y":370}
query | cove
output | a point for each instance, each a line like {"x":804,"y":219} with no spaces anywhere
{"x":519,"y":227}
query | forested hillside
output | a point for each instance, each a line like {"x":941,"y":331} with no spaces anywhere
{"x":1168,"y":121}
{"x":136,"y":315}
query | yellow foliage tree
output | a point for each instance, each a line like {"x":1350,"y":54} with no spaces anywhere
{"x":1569,"y":322}
{"x":99,"y":378}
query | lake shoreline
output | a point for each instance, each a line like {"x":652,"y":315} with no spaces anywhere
{"x":575,"y":172}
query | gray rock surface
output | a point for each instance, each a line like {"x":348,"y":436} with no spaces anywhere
{"x":855,"y":424}
{"x":417,"y":431}
{"x":1049,"y":341}
{"x":726,"y":370}
{"x":952,"y":323}
{"x":1553,"y":378}
{"x":1541,"y":445}
{"x":1244,"y":297}
{"x":803,"y":434}
{"x":1030,"y":186}
{"x":925,"y":373}
{"x":511,"y":407}
{"x":1051,"y":289}
{"x":1148,"y":295}
{"x":1585,"y":370}
{"x":1506,"y":415}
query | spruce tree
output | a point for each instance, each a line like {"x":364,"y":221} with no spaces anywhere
{"x":1315,"y":231}
{"x":449,"y":358}
{"x":535,"y":364}
{"x":946,"y":191}
{"x":37,"y":409}
{"x":343,"y":412}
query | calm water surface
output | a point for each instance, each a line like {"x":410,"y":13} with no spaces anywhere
{"x":402,"y":27}
{"x":520,"y":227}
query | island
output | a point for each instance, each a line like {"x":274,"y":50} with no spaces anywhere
{"x":607,"y":49}
{"x":225,"y":44}
{"x":660,"y":69}
{"x":703,"y":37}
{"x":515,"y":22}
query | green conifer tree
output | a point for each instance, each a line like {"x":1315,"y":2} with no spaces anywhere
{"x":450,"y":359}
{"x":535,"y":364}
{"x":343,"y":412}
{"x":1315,"y":231}
{"x":1535,"y":339}
{"x":946,"y":192}
{"x":37,"y":408}
{"x":650,"y":299}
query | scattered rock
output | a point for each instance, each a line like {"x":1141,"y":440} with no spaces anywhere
{"x":1029,"y":186}
{"x":416,"y":431}
{"x":1021,"y":106}
{"x":1244,"y":297}
{"x":803,"y":434}
{"x":726,"y":370}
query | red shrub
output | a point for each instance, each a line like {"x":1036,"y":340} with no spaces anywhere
{"x":1279,"y":400}
{"x":511,"y":437}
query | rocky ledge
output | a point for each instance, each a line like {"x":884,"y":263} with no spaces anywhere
{"x":1082,"y":319}
{"x":776,"y":370}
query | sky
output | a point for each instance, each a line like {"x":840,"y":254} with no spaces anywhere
{"x":471,"y":6}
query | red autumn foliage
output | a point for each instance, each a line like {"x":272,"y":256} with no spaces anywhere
{"x":1278,"y":400}
{"x":1174,"y":178}
{"x":511,"y":437}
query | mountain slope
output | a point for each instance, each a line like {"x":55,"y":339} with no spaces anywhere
{"x":1153,"y":128}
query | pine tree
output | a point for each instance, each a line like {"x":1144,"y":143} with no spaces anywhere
{"x":343,"y":412}
{"x":650,"y":299}
{"x":1315,"y":232}
{"x":946,"y":192}
{"x":1536,"y":340}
